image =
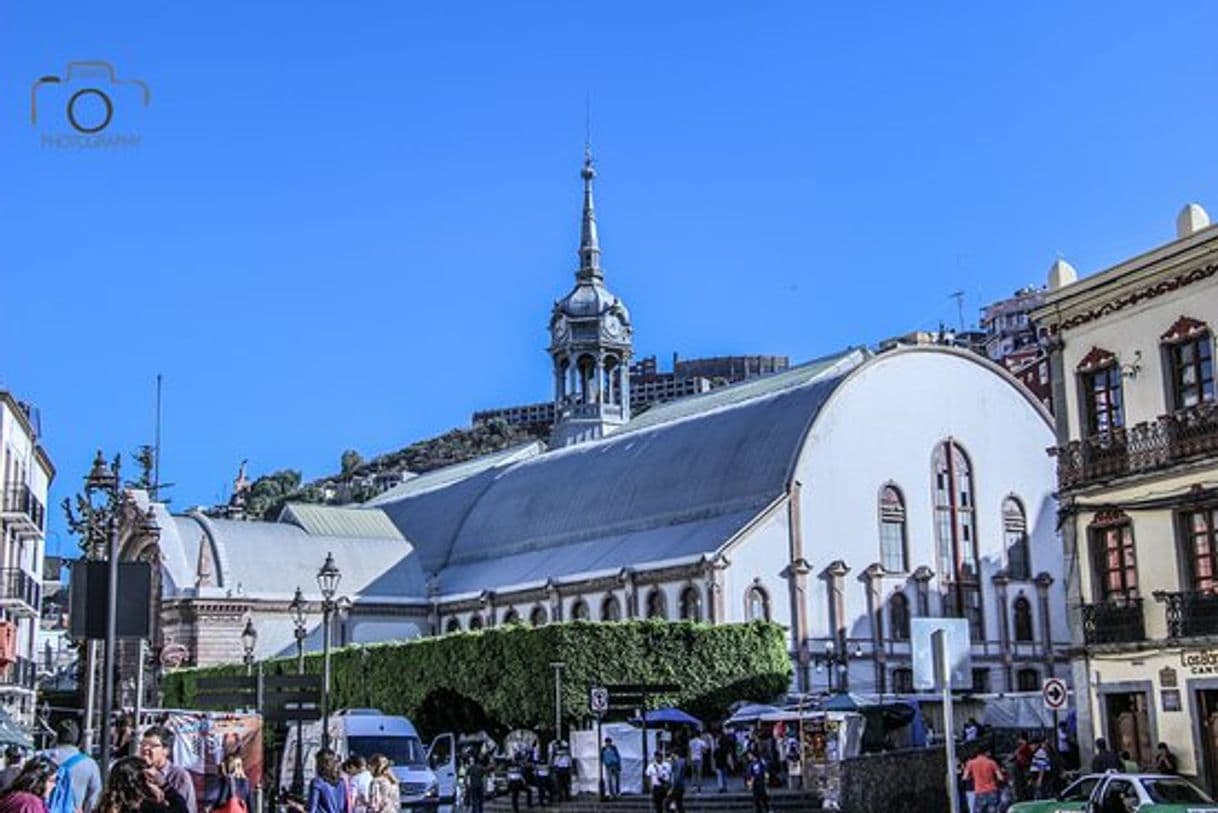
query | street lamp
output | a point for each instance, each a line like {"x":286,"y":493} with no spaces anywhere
{"x":104,"y":481}
{"x":327,"y":581}
{"x":249,"y":638}
{"x":837,"y":662}
{"x":297,"y":609}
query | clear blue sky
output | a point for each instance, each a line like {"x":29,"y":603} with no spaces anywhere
{"x":345,"y":223}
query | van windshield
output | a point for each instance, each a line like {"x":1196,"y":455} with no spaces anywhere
{"x":400,"y":750}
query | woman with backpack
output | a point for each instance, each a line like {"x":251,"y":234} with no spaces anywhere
{"x":385,"y":795}
{"x":327,"y":792}
{"x":234,"y":787}
{"x":29,"y":792}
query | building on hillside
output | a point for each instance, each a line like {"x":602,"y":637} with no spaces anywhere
{"x":27,"y":476}
{"x":1132,"y":353}
{"x":1013,"y":340}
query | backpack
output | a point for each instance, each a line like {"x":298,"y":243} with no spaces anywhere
{"x":61,"y":800}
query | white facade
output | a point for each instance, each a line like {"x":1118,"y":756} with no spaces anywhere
{"x":27,"y":473}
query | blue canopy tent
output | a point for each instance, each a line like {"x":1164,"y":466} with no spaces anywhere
{"x":658,"y":718}
{"x":751,"y":713}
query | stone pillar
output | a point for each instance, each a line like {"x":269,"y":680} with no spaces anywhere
{"x":1043,"y":582}
{"x":487,"y":600}
{"x":797,"y":572}
{"x":835,"y":577}
{"x":600,"y":378}
{"x":555,"y":597}
{"x":716,"y":609}
{"x":873,"y":578}
{"x":922,"y":577}
{"x":1004,"y":624}
{"x":629,"y":582}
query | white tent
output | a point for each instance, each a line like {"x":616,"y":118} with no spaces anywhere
{"x":629,"y":741}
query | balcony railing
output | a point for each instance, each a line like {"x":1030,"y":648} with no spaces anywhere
{"x":1190,"y":613}
{"x":20,"y":507}
{"x":18,"y":586}
{"x":1175,"y":438}
{"x":20,"y":674}
{"x":1117,"y":621}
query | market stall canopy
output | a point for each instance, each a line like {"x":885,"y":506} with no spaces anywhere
{"x":751,"y":713}
{"x":669,"y":716}
{"x":846,"y":701}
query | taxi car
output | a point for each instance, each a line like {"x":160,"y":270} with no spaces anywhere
{"x":1124,"y":793}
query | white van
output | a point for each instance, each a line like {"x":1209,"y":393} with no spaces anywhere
{"x":367,"y":732}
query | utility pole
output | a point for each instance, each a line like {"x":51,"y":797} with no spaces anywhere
{"x":557,"y":666}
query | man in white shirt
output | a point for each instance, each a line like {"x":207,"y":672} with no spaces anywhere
{"x":697,"y":754}
{"x":658,"y":776}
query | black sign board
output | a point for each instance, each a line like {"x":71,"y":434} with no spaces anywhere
{"x":88,"y":586}
{"x":279,"y":698}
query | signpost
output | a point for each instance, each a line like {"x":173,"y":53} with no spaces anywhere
{"x":942,"y":661}
{"x":1055,"y":694}
{"x":629,"y":698}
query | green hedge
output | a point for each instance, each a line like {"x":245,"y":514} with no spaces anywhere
{"x":501,"y":678}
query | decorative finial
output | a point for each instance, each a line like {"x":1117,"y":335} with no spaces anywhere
{"x":589,"y":242}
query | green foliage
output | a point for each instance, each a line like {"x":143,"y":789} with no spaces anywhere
{"x":350,"y":461}
{"x":270,"y":491}
{"x":501,"y":678}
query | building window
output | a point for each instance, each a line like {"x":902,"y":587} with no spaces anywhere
{"x":691,"y":604}
{"x":956,"y":536}
{"x":1113,"y":557}
{"x":902,"y":681}
{"x":1201,"y":535}
{"x":539,"y":616}
{"x":757,"y":604}
{"x":981,"y":681}
{"x":1015,"y":531}
{"x":892,"y":530}
{"x":1021,"y":609}
{"x":657,"y":607}
{"x":611,"y":609}
{"x":1027,"y":680}
{"x":511,"y":616}
{"x":1190,"y":355}
{"x":1104,"y":399}
{"x":475,"y":621}
{"x":579,"y":611}
{"x":898,"y":616}
{"x":454,"y":625}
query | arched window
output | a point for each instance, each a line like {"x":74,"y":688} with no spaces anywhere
{"x":691,"y":604}
{"x":1188,"y":348}
{"x":1027,"y":680}
{"x":892,"y":530}
{"x":511,"y":616}
{"x":579,"y":611}
{"x":956,"y":535}
{"x":898,"y":616}
{"x":657,"y":607}
{"x":902,"y":681}
{"x":1015,"y":531}
{"x":454,"y":625}
{"x":538,"y":616}
{"x":587,"y":380}
{"x":757,"y":604}
{"x":475,"y":621}
{"x":1021,"y":609}
{"x":611,"y":609}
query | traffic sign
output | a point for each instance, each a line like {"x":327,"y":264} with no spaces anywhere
{"x":598,"y":700}
{"x":1055,"y":693}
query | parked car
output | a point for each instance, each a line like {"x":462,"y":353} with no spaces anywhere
{"x":1124,"y":793}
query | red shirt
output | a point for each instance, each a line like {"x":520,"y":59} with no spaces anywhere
{"x":984,"y":772}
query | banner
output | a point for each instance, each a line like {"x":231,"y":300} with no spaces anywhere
{"x":201,"y":741}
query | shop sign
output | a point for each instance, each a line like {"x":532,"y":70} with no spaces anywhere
{"x":1200,"y":661}
{"x":1168,"y":678}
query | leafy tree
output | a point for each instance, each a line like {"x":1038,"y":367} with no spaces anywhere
{"x":270,"y":491}
{"x":350,"y":461}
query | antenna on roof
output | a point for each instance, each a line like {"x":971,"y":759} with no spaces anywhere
{"x":588,"y":122}
{"x":156,"y":446}
{"x":959,"y":297}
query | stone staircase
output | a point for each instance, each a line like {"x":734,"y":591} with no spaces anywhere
{"x":694,"y":803}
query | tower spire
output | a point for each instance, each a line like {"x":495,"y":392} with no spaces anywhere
{"x":589,"y":243}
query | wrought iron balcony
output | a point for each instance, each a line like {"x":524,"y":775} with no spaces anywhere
{"x":1190,"y":613}
{"x":21,"y":509}
{"x":20,"y":591}
{"x":1116,"y":621}
{"x":20,"y":674}
{"x":1174,"y":438}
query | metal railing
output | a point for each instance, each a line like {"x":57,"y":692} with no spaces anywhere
{"x":1116,"y":621}
{"x":17,"y":585}
{"x":21,"y":674}
{"x":1173,"y":438}
{"x":19,"y":500}
{"x":1190,"y":613}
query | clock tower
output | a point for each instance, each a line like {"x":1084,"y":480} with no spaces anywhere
{"x":590,"y":344}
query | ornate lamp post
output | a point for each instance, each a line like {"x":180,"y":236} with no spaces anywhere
{"x":249,"y":639}
{"x":103,"y":482}
{"x":327,"y":581}
{"x":297,"y":609}
{"x":837,"y":661}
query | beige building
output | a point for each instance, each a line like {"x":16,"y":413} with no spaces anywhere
{"x":1132,"y":352}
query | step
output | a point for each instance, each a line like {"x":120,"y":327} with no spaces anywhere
{"x":694,"y":803}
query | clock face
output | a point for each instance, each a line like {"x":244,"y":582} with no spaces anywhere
{"x":613,"y":326}
{"x":559,"y":329}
